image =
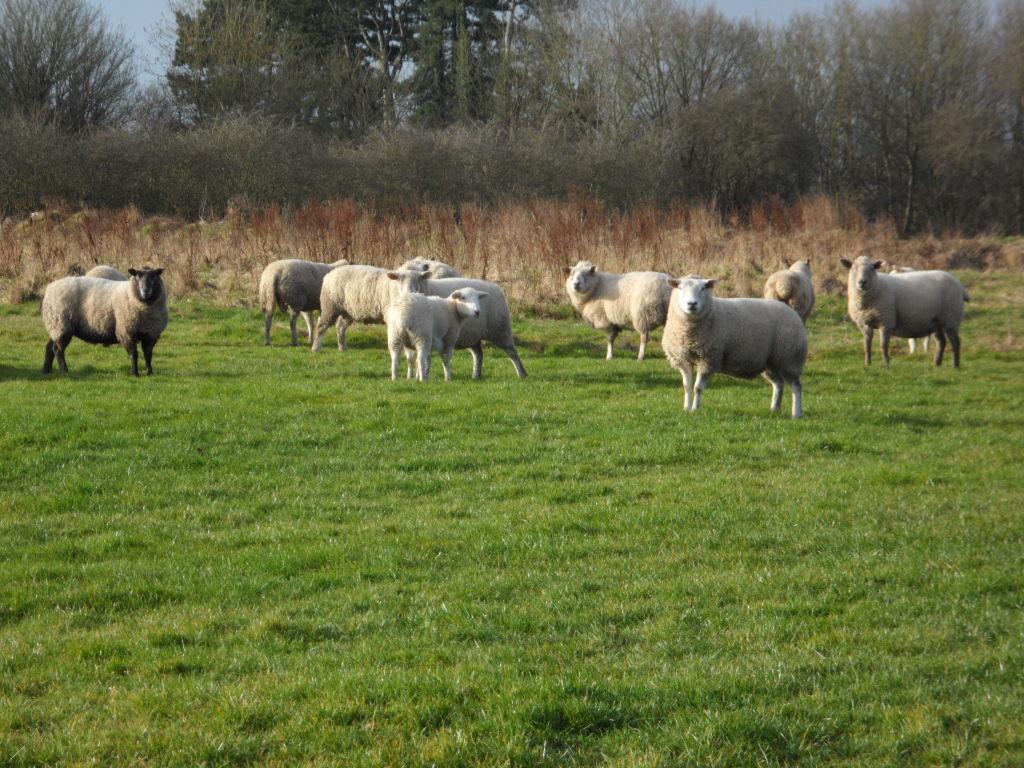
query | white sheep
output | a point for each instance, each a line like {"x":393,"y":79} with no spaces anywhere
{"x":737,"y":337}
{"x":494,"y":324}
{"x":435,"y":269}
{"x":912,"y":343}
{"x":106,"y":312}
{"x":106,"y":273}
{"x":424,"y":324}
{"x":793,"y":286}
{"x":358,"y":293}
{"x":908,"y":306}
{"x":611,"y":302}
{"x":293,"y":285}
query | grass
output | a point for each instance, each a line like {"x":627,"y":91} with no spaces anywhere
{"x":260,"y":556}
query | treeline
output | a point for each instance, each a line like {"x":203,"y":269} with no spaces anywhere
{"x":913,"y":111}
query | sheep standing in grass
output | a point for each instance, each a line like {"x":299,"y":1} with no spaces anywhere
{"x":737,"y":337}
{"x":427,"y":324}
{"x":293,"y":285}
{"x":912,"y":343}
{"x":908,"y":306}
{"x":106,"y":312}
{"x":434,"y":269}
{"x":493,"y":324}
{"x":611,"y":302}
{"x":793,"y":286}
{"x":360,"y":294}
{"x":106,"y":273}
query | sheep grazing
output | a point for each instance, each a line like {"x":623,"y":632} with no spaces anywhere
{"x":293,"y":285}
{"x":434,"y":269}
{"x":360,"y":294}
{"x":793,"y":286}
{"x":106,"y":273}
{"x":737,"y":337}
{"x":106,"y":312}
{"x":426,"y":324}
{"x":912,"y":343}
{"x":908,"y":306}
{"x":611,"y":302}
{"x":493,"y":325}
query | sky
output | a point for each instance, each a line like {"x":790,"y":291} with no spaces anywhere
{"x":141,"y":19}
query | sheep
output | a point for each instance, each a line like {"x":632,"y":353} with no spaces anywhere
{"x":358,"y":293}
{"x":106,"y":312}
{"x":494,"y":324}
{"x":737,"y":337}
{"x":908,"y":306}
{"x":429,"y":324}
{"x":293,"y":285}
{"x":912,"y":343}
{"x":793,"y":286}
{"x":611,"y":302}
{"x":106,"y":273}
{"x":435,"y":269}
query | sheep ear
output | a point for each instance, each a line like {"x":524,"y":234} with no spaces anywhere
{"x":846,"y":263}
{"x":457,"y":295}
{"x":482,"y":295}
{"x":567,"y":271}
{"x":673,"y":282}
{"x":158,"y":271}
{"x":393,"y":276}
{"x":710,"y":283}
{"x":133,"y":272}
{"x":877,"y":265}
{"x":593,"y":269}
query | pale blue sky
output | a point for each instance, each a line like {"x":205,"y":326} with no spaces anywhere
{"x":141,"y":18}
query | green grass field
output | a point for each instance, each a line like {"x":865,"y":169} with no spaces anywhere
{"x":261,"y":556}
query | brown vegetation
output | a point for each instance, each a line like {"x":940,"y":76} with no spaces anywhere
{"x":521,"y":245}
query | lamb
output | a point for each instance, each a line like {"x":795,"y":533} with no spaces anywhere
{"x":908,"y":306}
{"x":293,"y":285}
{"x":494,"y":324}
{"x":737,"y":337}
{"x":793,"y":286}
{"x":106,"y":312}
{"x":357,"y":293}
{"x":912,"y":343}
{"x":106,"y":273}
{"x":434,"y":269}
{"x":429,"y":324}
{"x":611,"y":302}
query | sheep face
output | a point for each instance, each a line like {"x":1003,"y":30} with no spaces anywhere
{"x":409,"y":280}
{"x":582,"y":278}
{"x":863,"y":273}
{"x":692,"y":295}
{"x":467,"y":301}
{"x":147,"y":284}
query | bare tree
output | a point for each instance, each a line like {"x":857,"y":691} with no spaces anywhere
{"x":59,"y":59}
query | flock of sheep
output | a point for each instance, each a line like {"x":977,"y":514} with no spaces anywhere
{"x":428,"y":307}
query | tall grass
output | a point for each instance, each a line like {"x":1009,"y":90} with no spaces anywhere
{"x":522,"y":245}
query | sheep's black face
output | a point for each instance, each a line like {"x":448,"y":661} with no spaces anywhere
{"x":148,"y":283}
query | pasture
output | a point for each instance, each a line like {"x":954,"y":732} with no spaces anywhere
{"x":261,"y":556}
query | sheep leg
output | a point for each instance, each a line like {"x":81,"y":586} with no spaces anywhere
{"x":308,"y":317}
{"x":268,"y":321}
{"x":396,"y":359}
{"x":410,"y":362}
{"x":798,"y":398}
{"x":886,"y":338}
{"x":326,"y":321}
{"x":869,"y":337}
{"x":514,"y":357}
{"x":940,"y":348}
{"x":293,"y":320}
{"x":912,"y":343}
{"x":687,"y":371}
{"x":778,"y":385}
{"x":698,"y":389}
{"x":954,"y":341}
{"x":477,"y":351}
{"x":343,"y":325}
{"x":926,"y":340}
{"x":446,"y":361}
{"x":48,"y":359}
{"x":645,"y":336}
{"x":133,"y":352}
{"x":423,"y":361}
{"x":612,"y":333}
{"x":59,"y":346}
{"x":147,"y":353}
